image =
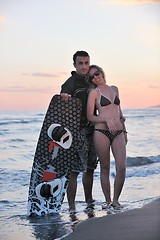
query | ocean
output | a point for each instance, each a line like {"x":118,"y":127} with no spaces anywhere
{"x":19,"y":132}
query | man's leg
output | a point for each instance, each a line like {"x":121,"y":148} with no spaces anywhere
{"x":87,"y":180}
{"x":88,"y":176}
{"x":71,"y":190}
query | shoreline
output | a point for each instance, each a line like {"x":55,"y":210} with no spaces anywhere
{"x":136,"y":224}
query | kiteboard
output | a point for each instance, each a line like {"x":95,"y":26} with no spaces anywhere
{"x":54,"y":156}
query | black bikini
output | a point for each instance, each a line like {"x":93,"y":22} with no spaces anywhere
{"x":108,"y":134}
{"x":104,"y":102}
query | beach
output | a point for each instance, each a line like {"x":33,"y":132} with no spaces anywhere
{"x":19,"y":132}
{"x":136,"y":224}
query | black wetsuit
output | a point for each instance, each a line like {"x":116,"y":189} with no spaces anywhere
{"x":77,"y":87}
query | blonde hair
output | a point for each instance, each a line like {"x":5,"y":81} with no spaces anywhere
{"x":91,"y":84}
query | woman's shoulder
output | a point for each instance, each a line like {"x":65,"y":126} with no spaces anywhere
{"x":93,"y":93}
{"x":93,"y":90}
{"x":115,"y":88}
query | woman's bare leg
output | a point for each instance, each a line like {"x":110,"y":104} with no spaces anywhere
{"x":102,"y":145}
{"x":119,"y":153}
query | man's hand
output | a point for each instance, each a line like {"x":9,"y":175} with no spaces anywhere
{"x":65,"y":96}
{"x":111,"y":125}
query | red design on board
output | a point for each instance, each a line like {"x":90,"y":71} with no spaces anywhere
{"x":48,"y":176}
{"x":52,"y":145}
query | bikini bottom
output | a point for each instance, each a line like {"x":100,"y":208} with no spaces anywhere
{"x":109,"y":134}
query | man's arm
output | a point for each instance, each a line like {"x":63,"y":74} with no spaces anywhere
{"x":67,"y":89}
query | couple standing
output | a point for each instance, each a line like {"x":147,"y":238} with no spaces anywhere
{"x":102,"y":125}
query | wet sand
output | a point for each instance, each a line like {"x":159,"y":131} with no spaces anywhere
{"x":137,"y":224}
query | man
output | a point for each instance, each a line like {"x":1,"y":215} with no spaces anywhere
{"x":76,"y":86}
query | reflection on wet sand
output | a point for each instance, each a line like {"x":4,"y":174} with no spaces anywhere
{"x":49,"y":227}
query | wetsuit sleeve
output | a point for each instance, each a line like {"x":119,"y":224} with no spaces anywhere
{"x":68,"y":87}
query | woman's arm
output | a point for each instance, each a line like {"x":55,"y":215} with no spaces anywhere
{"x":122,"y":118}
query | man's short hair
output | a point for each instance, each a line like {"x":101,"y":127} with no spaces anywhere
{"x":80,"y":54}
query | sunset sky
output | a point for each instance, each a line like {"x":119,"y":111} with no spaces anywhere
{"x":39,"y":37}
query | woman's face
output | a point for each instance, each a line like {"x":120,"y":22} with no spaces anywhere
{"x":95,"y":76}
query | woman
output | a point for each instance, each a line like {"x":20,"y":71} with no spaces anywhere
{"x":110,"y":133}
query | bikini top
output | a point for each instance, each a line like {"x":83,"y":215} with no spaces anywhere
{"x":103,"y":101}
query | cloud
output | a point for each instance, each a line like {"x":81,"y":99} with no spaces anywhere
{"x":154,"y":87}
{"x":25,"y":89}
{"x":132,"y":1}
{"x":45,"y":75}
{"x":3,"y":20}
{"x":39,"y":74}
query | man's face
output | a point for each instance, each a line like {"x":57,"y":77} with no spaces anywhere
{"x":82,"y":65}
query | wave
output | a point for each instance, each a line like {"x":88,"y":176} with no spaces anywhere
{"x":10,"y":122}
{"x":4,"y":202}
{"x":140,"y":161}
{"x":141,"y":171}
{"x":140,"y":166}
{"x":141,"y":113}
